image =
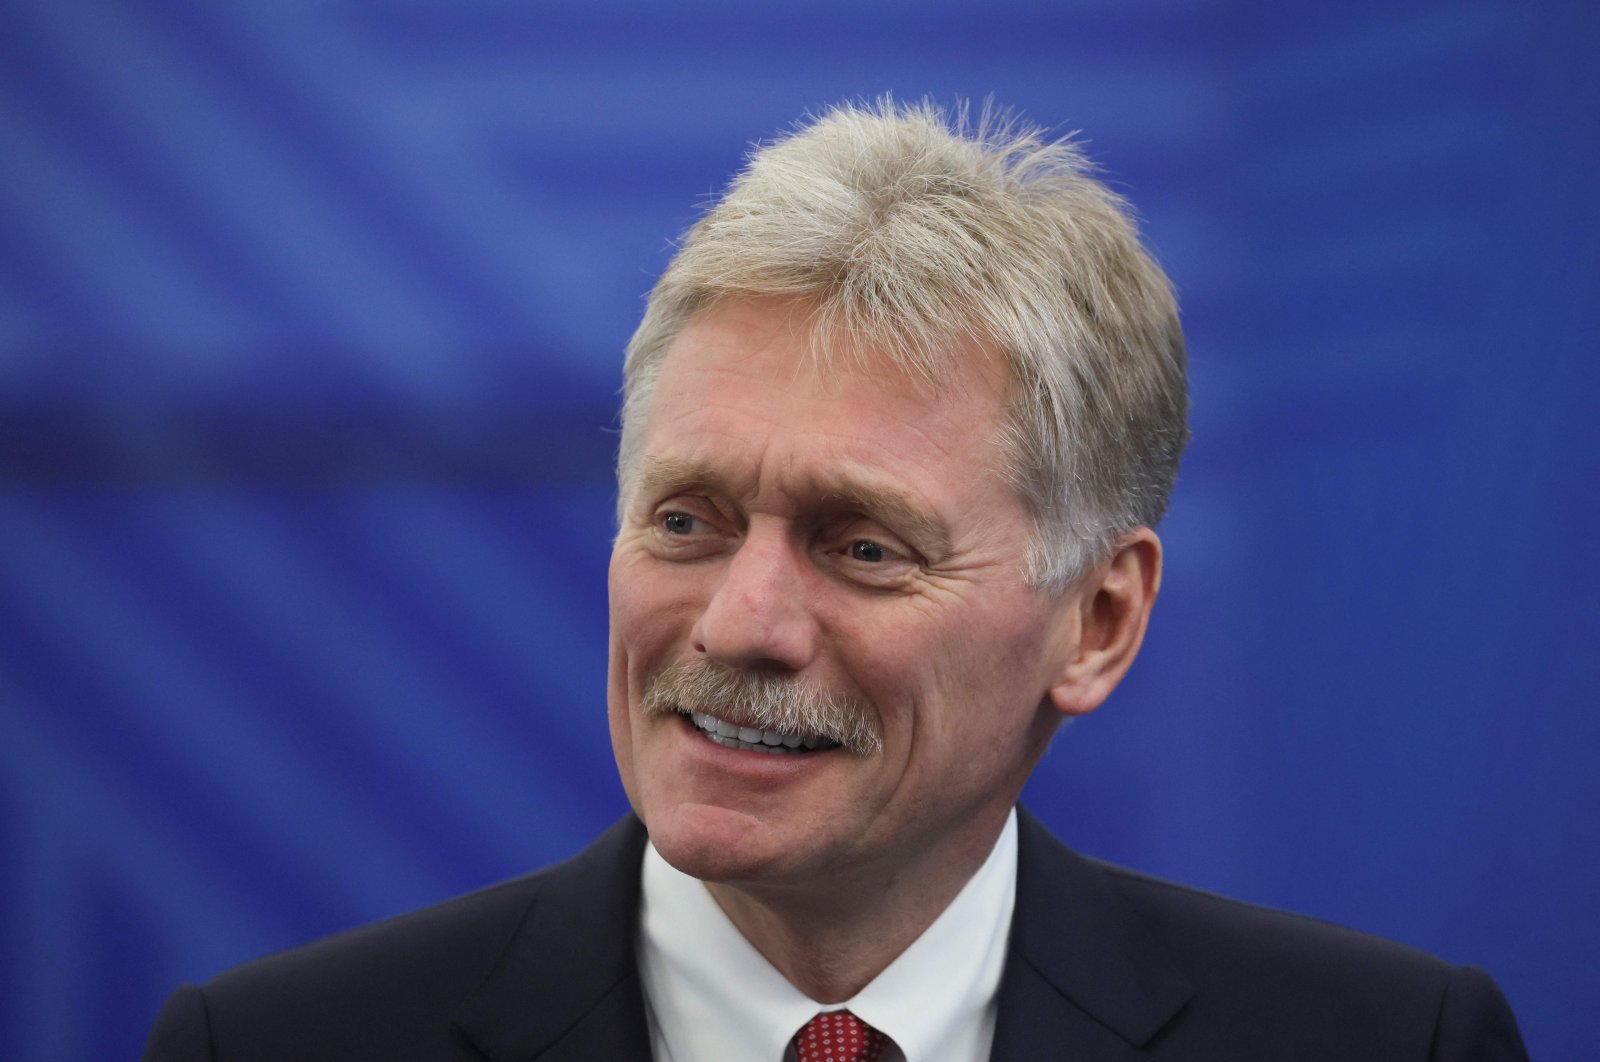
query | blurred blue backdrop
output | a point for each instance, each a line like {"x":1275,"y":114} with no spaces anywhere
{"x":310,"y":323}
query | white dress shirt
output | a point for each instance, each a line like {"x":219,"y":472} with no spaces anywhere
{"x":710,"y":996}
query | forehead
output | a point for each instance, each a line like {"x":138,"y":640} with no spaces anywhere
{"x":745,"y":396}
{"x":768,"y":349}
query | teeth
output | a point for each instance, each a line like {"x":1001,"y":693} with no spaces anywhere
{"x":735,"y":743}
{"x":773,"y":742}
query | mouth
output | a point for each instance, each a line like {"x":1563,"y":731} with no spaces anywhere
{"x":748,"y":739}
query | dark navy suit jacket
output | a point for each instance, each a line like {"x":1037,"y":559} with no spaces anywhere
{"x":1104,"y":964}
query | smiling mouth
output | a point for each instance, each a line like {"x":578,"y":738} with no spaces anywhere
{"x":749,"y":739}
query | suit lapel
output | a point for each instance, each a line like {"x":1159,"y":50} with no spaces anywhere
{"x":567,"y":986}
{"x":1084,"y":977}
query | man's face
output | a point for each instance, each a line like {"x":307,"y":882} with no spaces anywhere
{"x":851,"y":535}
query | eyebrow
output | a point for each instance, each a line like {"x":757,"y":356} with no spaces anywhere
{"x":889,"y":505}
{"x":894,"y":508}
{"x":672,"y":475}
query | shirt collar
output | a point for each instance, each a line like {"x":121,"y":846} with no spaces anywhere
{"x":711,"y":995}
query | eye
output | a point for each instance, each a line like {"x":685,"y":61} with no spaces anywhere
{"x":864,"y":549}
{"x":861,"y":551}
{"x":676,"y":523}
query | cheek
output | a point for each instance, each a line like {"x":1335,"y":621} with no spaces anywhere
{"x":910,"y":660}
{"x":988,"y":678}
{"x":653,"y":611}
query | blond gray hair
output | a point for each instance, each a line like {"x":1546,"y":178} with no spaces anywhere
{"x":914,"y":232}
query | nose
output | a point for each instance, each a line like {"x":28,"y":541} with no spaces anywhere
{"x":758,"y":616}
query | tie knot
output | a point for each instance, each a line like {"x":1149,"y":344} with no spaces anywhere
{"x":838,"y":1036}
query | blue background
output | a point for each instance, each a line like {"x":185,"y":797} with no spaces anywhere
{"x":310,"y":322}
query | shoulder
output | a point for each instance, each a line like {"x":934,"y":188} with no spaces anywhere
{"x":408,"y":960}
{"x":1197,"y":925}
{"x":384,"y":989}
{"x":1227,"y":969}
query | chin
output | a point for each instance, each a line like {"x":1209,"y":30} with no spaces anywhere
{"x":715,"y":843}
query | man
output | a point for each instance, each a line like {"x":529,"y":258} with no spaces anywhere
{"x":899,"y":421}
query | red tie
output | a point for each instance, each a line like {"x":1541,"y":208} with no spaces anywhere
{"x":838,"y":1036}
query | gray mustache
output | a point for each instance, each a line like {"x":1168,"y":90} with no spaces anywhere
{"x":764,"y":701}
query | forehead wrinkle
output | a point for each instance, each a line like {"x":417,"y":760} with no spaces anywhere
{"x":672,"y":475}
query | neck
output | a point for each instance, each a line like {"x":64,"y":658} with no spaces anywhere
{"x":831,"y":939}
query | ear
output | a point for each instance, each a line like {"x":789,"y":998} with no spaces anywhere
{"x":1113,"y":603}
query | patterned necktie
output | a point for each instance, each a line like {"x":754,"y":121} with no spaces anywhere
{"x":838,"y":1036}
